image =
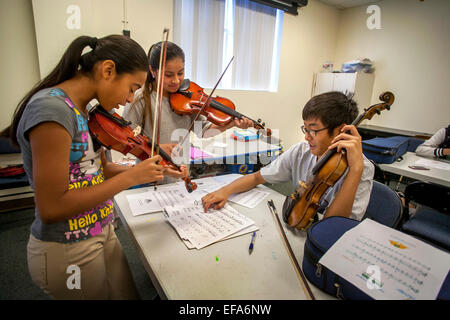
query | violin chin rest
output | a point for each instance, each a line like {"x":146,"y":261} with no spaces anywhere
{"x":185,"y":85}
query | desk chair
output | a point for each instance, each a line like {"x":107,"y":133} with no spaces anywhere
{"x":11,"y":197}
{"x":15,"y":180}
{"x":431,"y":221}
{"x":385,"y":205}
{"x":379,"y":175}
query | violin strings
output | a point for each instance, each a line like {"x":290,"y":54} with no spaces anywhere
{"x":208,"y":100}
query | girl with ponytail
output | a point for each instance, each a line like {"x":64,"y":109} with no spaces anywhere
{"x":71,"y":177}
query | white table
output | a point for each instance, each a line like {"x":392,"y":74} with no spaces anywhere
{"x":434,"y":175}
{"x":226,"y":150}
{"x":224,"y":270}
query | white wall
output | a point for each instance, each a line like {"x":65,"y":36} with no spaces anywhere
{"x":98,"y":18}
{"x":308,"y":40}
{"x":411,"y":56}
{"x":18,"y":56}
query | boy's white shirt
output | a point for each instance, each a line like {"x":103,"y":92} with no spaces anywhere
{"x":297,"y":163}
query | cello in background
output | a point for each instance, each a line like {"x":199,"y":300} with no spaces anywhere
{"x":300,"y":207}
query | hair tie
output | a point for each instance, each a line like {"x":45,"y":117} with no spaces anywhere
{"x":93,"y":43}
{"x":349,"y":95}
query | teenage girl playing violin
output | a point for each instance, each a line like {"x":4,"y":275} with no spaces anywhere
{"x":141,"y":110}
{"x":325,"y":117}
{"x":72,"y":180}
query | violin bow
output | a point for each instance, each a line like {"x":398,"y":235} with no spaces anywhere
{"x":159,"y":91}
{"x":159,"y":95}
{"x":301,"y":276}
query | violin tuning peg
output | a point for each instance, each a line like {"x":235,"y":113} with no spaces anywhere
{"x":263,"y":124}
{"x":259,"y":120}
{"x":378,"y":111}
{"x":388,"y":107}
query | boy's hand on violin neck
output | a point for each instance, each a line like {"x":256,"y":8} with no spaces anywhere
{"x":147,"y":171}
{"x":350,"y":140}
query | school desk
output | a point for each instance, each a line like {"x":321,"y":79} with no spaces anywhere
{"x":223,"y":270}
{"x":232,"y":156}
{"x":15,"y":192}
{"x":402,"y":168}
{"x":224,"y":149}
{"x":368,"y":131}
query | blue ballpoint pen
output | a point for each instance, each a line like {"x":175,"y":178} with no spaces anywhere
{"x":250,"y":248}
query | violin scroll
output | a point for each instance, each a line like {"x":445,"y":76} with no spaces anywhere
{"x":387,"y":97}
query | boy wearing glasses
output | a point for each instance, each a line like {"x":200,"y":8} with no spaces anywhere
{"x":325,"y":127}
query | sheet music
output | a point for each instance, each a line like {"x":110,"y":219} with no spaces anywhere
{"x":249,"y":229}
{"x":249,"y":199}
{"x":154,"y":201}
{"x":202,"y":229}
{"x":151,"y":201}
{"x":388,"y":264}
{"x":173,"y":194}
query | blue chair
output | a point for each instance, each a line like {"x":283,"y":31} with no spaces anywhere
{"x":385,"y":206}
{"x":431,"y":221}
{"x":17,"y":181}
{"x":413,"y":143}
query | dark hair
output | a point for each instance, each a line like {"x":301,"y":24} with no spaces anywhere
{"x":173,"y":51}
{"x":332,"y":108}
{"x":126,"y":53}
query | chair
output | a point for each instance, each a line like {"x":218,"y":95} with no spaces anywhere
{"x":385,"y":205}
{"x":379,"y":175}
{"x":431,"y":221}
{"x":15,"y":189}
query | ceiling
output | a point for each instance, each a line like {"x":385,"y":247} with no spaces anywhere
{"x":342,"y":4}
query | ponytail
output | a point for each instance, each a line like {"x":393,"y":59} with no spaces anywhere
{"x":126,"y":53}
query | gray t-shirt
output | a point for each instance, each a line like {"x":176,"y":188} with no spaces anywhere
{"x":85,"y":168}
{"x":297,"y":163}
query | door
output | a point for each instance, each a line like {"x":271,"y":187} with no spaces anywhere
{"x":324,"y":83}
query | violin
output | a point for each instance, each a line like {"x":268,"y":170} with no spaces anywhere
{"x":300,"y":207}
{"x":114,"y":132}
{"x":190,"y":98}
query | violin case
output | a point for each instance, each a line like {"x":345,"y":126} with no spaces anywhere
{"x":385,"y":150}
{"x":320,"y":237}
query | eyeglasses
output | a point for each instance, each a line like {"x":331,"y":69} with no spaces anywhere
{"x":311,"y":132}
